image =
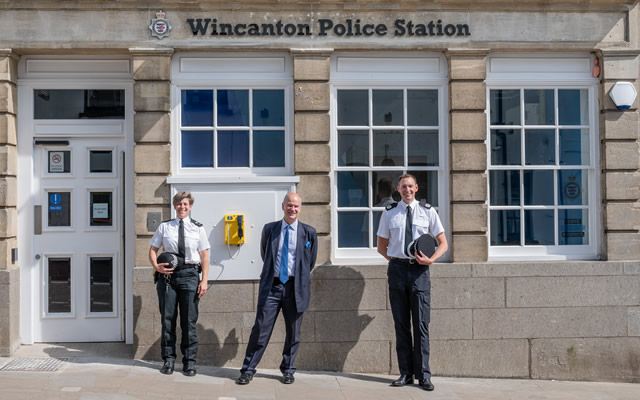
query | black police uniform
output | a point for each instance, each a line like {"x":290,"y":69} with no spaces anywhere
{"x":179,"y":290}
{"x":409,"y":284}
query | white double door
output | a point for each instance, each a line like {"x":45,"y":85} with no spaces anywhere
{"x":78,"y":242}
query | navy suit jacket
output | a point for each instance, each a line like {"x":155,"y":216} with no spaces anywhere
{"x":306,"y":251}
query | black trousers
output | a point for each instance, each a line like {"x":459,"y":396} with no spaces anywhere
{"x":410,"y":298}
{"x":179,"y":293}
{"x":281,"y":297}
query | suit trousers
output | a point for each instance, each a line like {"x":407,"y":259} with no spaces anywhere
{"x":281,"y":297}
{"x":179,"y":293}
{"x":410,"y":298}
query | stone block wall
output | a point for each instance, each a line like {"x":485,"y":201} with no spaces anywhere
{"x":9,"y":268}
{"x":620,"y":159}
{"x":568,"y":320}
{"x":468,"y":154}
{"x":312,"y":154}
{"x":152,"y":165}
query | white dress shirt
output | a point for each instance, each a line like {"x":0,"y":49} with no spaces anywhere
{"x":195,"y":239}
{"x":293,"y":241}
{"x":392,"y":222}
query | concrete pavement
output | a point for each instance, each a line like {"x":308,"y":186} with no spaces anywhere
{"x":107,"y":371}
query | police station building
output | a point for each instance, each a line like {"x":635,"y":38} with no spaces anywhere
{"x":519,"y":120}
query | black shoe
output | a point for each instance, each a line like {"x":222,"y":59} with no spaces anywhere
{"x":167,"y":368}
{"x":244,"y":379}
{"x":287,"y":378}
{"x":403,"y":380}
{"x":189,"y":371}
{"x":426,"y":384}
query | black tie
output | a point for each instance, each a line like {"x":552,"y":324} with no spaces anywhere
{"x":408,"y":234}
{"x":181,"y":239}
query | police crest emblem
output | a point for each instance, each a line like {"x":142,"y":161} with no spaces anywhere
{"x":160,"y":26}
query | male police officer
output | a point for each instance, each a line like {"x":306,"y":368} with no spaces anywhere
{"x":409,"y":282}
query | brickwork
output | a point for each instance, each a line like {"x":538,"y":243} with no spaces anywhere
{"x":467,"y":102}
{"x":9,"y":269}
{"x":620,"y":159}
{"x":312,"y":160}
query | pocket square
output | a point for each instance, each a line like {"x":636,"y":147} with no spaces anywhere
{"x":308,"y":244}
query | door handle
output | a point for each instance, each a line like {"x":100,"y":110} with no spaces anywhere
{"x":37,"y":220}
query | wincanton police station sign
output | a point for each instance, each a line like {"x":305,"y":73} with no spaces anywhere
{"x":349,"y":27}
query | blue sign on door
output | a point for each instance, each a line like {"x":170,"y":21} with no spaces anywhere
{"x":54,"y":202}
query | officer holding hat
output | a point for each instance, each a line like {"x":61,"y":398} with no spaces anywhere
{"x":178,"y":281}
{"x":409,"y":280}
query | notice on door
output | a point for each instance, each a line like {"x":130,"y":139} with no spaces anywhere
{"x":56,"y":161}
{"x":100,"y":210}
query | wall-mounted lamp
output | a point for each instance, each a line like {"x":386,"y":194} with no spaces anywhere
{"x":623,"y":95}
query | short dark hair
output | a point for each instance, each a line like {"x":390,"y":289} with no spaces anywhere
{"x":405,"y":176}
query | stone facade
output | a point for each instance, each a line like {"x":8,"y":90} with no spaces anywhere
{"x":552,"y":320}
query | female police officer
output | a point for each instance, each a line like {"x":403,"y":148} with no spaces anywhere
{"x":180,"y":287}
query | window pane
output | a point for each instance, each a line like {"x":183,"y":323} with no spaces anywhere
{"x":505,"y":107}
{"x":78,"y":104}
{"x":197,"y":108}
{"x":353,"y":189}
{"x":101,"y":284}
{"x":423,"y":148}
{"x":233,"y":148}
{"x":100,"y":161}
{"x":376,"y":223}
{"x":268,"y":148}
{"x":505,"y":147}
{"x":197,"y":149}
{"x":505,"y":188}
{"x":353,"y":229}
{"x":384,"y":187}
{"x":573,"y":227}
{"x":100,"y":209}
{"x":427,"y":186}
{"x":59,"y":162}
{"x":353,"y":148}
{"x":539,"y":107}
{"x":353,"y":107}
{"x":388,"y":107}
{"x":505,"y":227}
{"x":538,"y":188}
{"x":573,"y":107}
{"x":59,"y":209}
{"x":388,"y":148}
{"x":59,"y":285}
{"x":538,"y":227}
{"x":233,"y":107}
{"x":422,"y":107}
{"x":572,"y":187}
{"x":574,"y":147}
{"x":268,"y":108}
{"x":540,"y":147}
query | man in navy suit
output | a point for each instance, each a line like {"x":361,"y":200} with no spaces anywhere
{"x":288,"y":249}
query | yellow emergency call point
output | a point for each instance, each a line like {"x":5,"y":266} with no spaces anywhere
{"x":234,"y":229}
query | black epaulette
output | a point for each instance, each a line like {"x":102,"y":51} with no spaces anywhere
{"x":391,"y":206}
{"x":426,"y":205}
{"x":196,"y":223}
{"x":166,"y":221}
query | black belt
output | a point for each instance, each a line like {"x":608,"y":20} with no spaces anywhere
{"x":187,"y":266}
{"x":404,"y":260}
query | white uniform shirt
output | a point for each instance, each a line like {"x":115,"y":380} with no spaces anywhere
{"x":293,"y":241}
{"x":425,"y":220}
{"x":195,"y":239}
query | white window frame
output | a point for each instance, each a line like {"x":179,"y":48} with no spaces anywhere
{"x":386,"y":71}
{"x":254,"y":71}
{"x":547,"y":71}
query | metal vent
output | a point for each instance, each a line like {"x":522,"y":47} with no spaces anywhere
{"x":34,"y":364}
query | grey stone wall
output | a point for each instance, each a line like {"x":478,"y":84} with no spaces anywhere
{"x":562,"y":320}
